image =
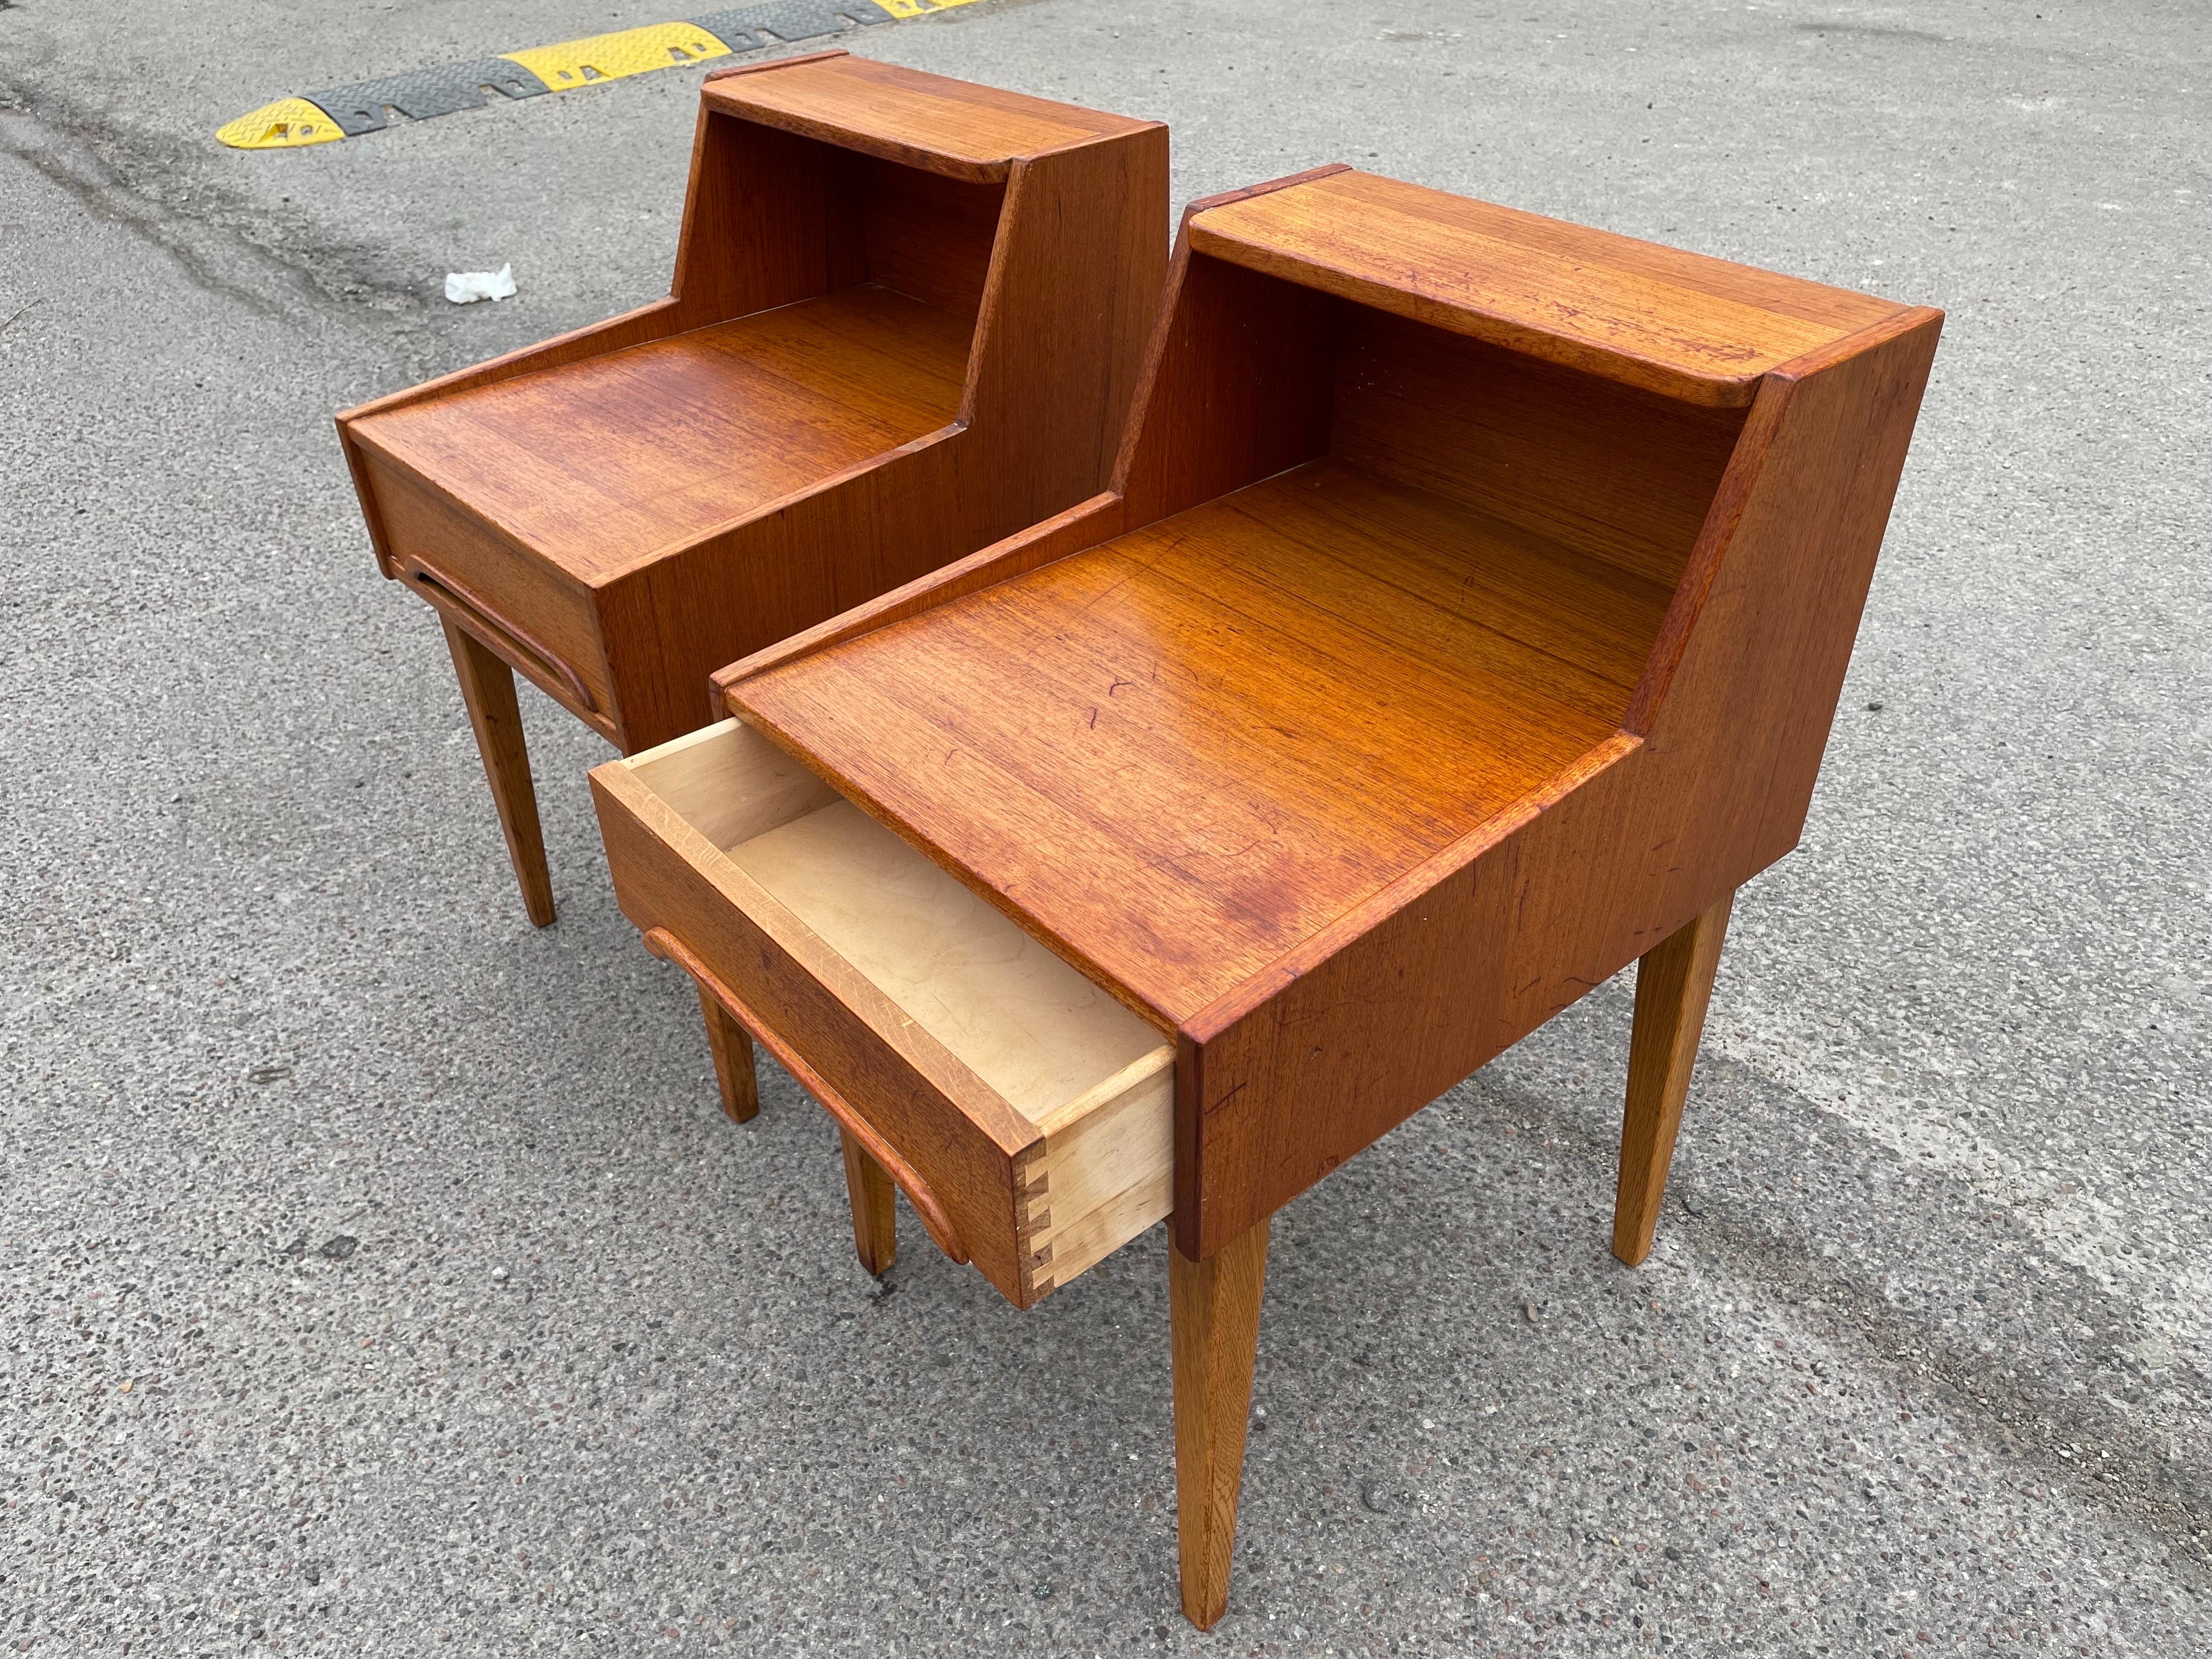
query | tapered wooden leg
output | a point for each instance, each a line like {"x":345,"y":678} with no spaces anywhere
{"x":875,"y":1207}
{"x":732,"y":1048}
{"x":487,"y":688}
{"x":1214,"y":1312}
{"x":1673,"y":985}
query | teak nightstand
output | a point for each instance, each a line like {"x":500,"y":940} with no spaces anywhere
{"x":1465,"y":622}
{"x":906,"y":321}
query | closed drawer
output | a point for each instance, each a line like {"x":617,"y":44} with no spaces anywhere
{"x":1033,"y":1111}
{"x":539,"y":619}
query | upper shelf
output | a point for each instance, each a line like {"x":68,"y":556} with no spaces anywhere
{"x":1185,"y":751}
{"x":952,"y":127}
{"x":1690,"y":327}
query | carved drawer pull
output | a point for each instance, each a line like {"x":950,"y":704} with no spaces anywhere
{"x":664,"y":943}
{"x":474,"y":613}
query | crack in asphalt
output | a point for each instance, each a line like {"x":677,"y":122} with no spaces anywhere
{"x":224,"y":244}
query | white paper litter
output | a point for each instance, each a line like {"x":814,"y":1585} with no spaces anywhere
{"x":465,"y":288}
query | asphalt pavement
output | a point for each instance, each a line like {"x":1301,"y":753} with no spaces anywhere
{"x":379,"y":1277}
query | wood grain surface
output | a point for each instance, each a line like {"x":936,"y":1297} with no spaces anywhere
{"x":1178,"y":754}
{"x":614,"y":459}
{"x":1401,"y":998}
{"x":1698,"y":329}
{"x":1421,"y":682}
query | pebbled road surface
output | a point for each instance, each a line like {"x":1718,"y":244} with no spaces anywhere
{"x":377,"y":1276}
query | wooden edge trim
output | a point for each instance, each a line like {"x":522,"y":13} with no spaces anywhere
{"x":1233,"y":1004}
{"x":1148,"y":366}
{"x":364,"y":490}
{"x":662,"y":942}
{"x":688,"y":231}
{"x":1203,"y":204}
{"x":1107,"y":1090}
{"x":1402,"y":299}
{"x":983,"y":339}
{"x":1183,"y":1227}
{"x":509,"y":365}
{"x":1089,"y":140}
{"x":1879,"y":332}
{"x":1747,"y":462}
{"x":510,"y":638}
{"x":1084,"y":525}
{"x":775,"y":64}
{"x":669,"y":750}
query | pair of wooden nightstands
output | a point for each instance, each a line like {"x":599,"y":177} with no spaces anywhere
{"x":1461,"y":620}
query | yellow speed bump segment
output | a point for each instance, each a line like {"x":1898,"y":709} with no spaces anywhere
{"x":610,"y":57}
{"x":347,"y":112}
{"x":285,"y":124}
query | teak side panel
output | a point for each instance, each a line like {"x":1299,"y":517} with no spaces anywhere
{"x":1679,"y":324}
{"x":1314,"y":1059}
{"x":1235,"y":389}
{"x":1050,"y":325}
{"x":757,"y":221}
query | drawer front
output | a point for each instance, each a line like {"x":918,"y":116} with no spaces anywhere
{"x":543,"y":624}
{"x":973,"y":1158}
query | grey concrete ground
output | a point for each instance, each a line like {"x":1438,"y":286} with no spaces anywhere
{"x":377,"y":1276}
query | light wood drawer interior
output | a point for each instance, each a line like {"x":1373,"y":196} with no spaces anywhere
{"x":982,"y":1023}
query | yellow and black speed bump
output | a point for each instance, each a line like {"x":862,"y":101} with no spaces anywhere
{"x":321,"y":117}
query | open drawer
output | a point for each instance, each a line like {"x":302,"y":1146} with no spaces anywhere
{"x":1027,"y":1115}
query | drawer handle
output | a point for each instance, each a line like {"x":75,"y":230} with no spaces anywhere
{"x":664,"y":943}
{"x":446,"y":593}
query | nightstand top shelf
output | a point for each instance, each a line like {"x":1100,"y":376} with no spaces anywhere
{"x":1182,"y":752}
{"x":1684,"y":325}
{"x":953,"y":127}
